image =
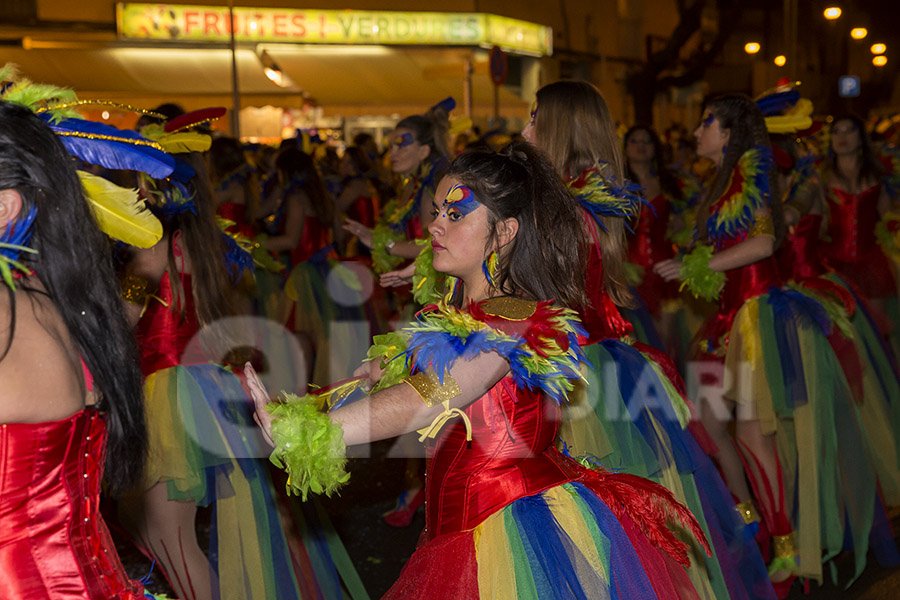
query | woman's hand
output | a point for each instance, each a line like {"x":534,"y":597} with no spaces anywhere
{"x":669,"y":270}
{"x":359,"y":230}
{"x":400,"y":277}
{"x":260,"y":399}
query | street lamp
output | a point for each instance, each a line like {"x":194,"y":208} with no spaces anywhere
{"x":832,"y":12}
{"x":751,"y":47}
{"x":780,"y":60}
{"x":880,"y":60}
{"x":878,"y":48}
{"x":859,"y":33}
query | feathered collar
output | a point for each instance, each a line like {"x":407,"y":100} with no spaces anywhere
{"x":397,"y":215}
{"x":599,"y":194}
{"x":746,"y":192}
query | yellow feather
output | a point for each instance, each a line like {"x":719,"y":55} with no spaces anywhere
{"x":185,"y":141}
{"x":119,"y":213}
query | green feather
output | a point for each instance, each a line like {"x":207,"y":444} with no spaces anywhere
{"x":699,"y":279}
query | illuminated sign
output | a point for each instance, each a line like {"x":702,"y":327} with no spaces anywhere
{"x":179,"y":23}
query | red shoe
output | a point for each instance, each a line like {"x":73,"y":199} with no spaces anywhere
{"x":402,"y":514}
{"x":783,"y":588}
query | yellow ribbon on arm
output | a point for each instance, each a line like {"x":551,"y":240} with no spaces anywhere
{"x":439,"y":421}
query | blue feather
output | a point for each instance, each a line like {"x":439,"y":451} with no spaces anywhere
{"x":18,"y":233}
{"x":126,"y":150}
{"x":777,"y":103}
{"x":237,"y":259}
{"x":448,"y":104}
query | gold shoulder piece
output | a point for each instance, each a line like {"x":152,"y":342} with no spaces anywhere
{"x":511,"y":309}
{"x":430,"y":388}
{"x":763,"y":226}
{"x":135,"y":289}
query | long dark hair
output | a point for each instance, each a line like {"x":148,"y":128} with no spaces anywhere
{"x":869,"y":167}
{"x":214,"y":296}
{"x":430,"y":129}
{"x":667,"y":180}
{"x":74,"y":264}
{"x":546,"y":259}
{"x":575,"y":128}
{"x":294,"y":163}
{"x":740,"y":115}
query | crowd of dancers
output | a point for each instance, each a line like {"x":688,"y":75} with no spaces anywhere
{"x":638,"y":371}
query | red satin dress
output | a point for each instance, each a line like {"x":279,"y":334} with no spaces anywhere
{"x":853,"y":250}
{"x":741,"y":284}
{"x":649,"y":246}
{"x":54,"y":543}
{"x":315,"y":236}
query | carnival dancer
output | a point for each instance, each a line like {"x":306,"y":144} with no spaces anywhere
{"x":858,"y":192}
{"x":203,"y":448}
{"x":70,"y":408}
{"x":418,"y":152}
{"x":669,"y":198}
{"x":767,"y":340}
{"x":858,"y":445}
{"x":326,"y":302}
{"x":235,"y":183}
{"x":633,"y":414}
{"x":508,"y":516}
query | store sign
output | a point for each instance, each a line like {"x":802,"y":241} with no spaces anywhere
{"x":179,"y":23}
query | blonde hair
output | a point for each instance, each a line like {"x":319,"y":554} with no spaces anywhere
{"x":574,"y":127}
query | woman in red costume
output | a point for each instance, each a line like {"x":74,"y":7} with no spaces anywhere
{"x":772,"y":341}
{"x":507,"y":515}
{"x":202,"y":447}
{"x":70,"y":408}
{"x":633,"y":414}
{"x":235,"y":185}
{"x":856,"y":199}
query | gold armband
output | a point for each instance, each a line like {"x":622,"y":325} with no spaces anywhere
{"x":784,"y":545}
{"x":134,"y":289}
{"x":763,"y":226}
{"x":431,"y":390}
{"x":748,"y":512}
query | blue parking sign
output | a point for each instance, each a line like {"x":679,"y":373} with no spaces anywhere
{"x":848,"y":86}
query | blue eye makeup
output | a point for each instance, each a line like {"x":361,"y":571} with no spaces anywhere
{"x":459,"y":201}
{"x":708,"y":119}
{"x":403,"y":140}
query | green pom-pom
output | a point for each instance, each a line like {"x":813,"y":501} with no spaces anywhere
{"x":309,"y":446}
{"x":387,"y":349}
{"x":428,"y":284}
{"x":634,"y":274}
{"x":699,"y":279}
{"x":383,"y":261}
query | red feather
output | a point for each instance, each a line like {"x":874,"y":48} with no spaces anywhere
{"x":204,"y":115}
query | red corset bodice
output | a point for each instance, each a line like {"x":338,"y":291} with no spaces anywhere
{"x":799,"y":257}
{"x":53,"y":541}
{"x":512,"y":455}
{"x":165,"y":337}
{"x":315,"y":236}
{"x":649,"y":246}
{"x":851,"y":225}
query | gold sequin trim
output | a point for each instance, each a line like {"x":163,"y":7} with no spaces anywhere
{"x":134,"y":289}
{"x":748,"y":512}
{"x":511,"y":309}
{"x":763,"y":226}
{"x":784,"y":545}
{"x":119,"y":105}
{"x":432,"y":391}
{"x":111,"y":138}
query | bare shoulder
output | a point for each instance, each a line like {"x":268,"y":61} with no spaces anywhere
{"x":40,"y":374}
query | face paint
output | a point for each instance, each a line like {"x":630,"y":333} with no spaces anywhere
{"x":459,"y":201}
{"x":403,"y":140}
{"x":708,"y":119}
{"x":533,"y":112}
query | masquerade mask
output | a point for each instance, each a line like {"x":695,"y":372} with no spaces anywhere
{"x":403,"y":140}
{"x":460,"y":200}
